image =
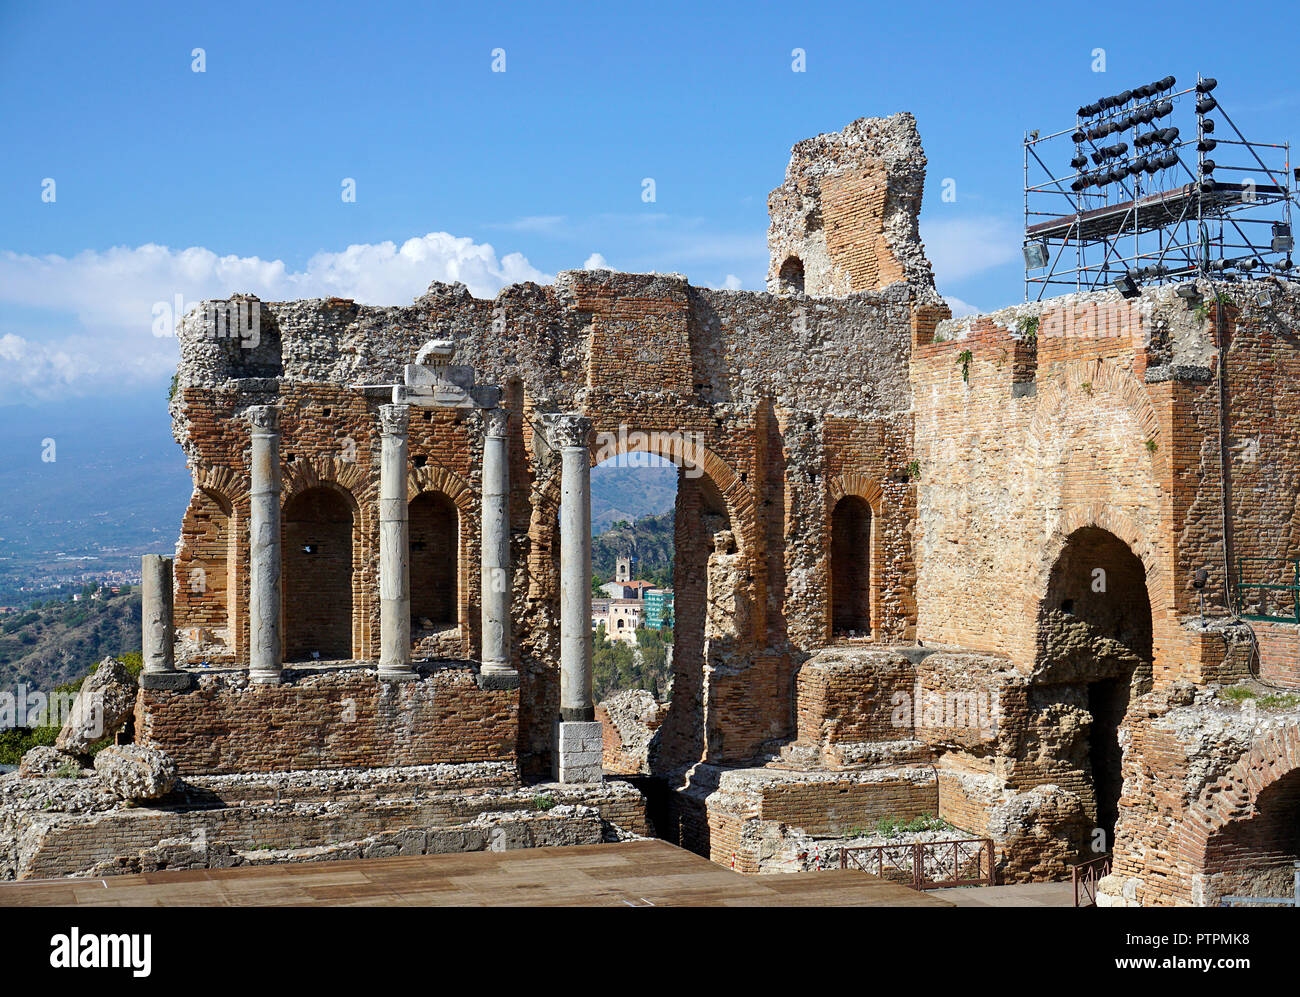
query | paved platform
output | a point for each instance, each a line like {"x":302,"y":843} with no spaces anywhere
{"x":1024,"y":895}
{"x":632,"y":873}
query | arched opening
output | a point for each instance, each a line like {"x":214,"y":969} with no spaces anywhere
{"x":207,"y":597}
{"x":790,"y":276}
{"x":1095,"y":647}
{"x":317,"y":527}
{"x":851,"y":567}
{"x":634,"y":497}
{"x":1256,"y":856}
{"x":435,"y":563}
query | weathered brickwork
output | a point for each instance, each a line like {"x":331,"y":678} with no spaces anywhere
{"x":904,"y":542}
{"x":330,"y":720}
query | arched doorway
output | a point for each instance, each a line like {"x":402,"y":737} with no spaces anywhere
{"x":1256,"y":856}
{"x":790,"y":276}
{"x":435,"y":562}
{"x":851,"y":567}
{"x":1095,"y":649}
{"x":207,"y":595}
{"x":317,"y":528}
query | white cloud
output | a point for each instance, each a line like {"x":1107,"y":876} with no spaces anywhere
{"x":100,"y":306}
{"x":732,"y":283}
{"x":962,"y":247}
{"x":596,"y":262}
{"x":960,"y":309}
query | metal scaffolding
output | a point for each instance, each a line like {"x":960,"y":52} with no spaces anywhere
{"x":1152,"y":206}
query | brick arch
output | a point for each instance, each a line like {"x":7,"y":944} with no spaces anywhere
{"x":1234,"y":796}
{"x":735,"y":493}
{"x":863,"y":486}
{"x":1056,"y":392}
{"x":360,"y":489}
{"x":867,"y":487}
{"x":356,"y":483}
{"x":232,"y":485}
{"x":433,"y":479}
{"x":1104,"y":516}
{"x":213,"y":522}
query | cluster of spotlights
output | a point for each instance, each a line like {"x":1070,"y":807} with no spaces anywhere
{"x":1143,"y":164}
{"x":1124,"y":96}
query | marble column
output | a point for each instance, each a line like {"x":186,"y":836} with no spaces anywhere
{"x":394,"y":547}
{"x":265,"y":652}
{"x":578,"y":747}
{"x":495,"y":574}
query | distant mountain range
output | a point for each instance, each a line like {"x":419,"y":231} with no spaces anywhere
{"x":626,"y":494}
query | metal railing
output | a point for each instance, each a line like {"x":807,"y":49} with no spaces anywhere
{"x":1265,"y":606}
{"x":1085,"y":876}
{"x":926,"y":865}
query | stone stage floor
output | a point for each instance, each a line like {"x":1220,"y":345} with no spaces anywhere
{"x":633,"y":874}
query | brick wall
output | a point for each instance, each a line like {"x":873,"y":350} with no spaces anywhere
{"x":330,"y":720}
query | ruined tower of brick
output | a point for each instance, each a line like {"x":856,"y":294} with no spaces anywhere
{"x":845,"y":220}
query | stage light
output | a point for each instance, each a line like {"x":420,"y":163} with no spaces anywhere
{"x":1188,"y":292}
{"x":1165,"y":107}
{"x":1205,"y":105}
{"x":1207,"y":125}
{"x":1206,"y":85}
{"x":1283,"y":242}
{"x":1035,"y":254}
{"x":1126,"y":286}
{"x":1169,"y":136}
{"x":1167,"y":83}
{"x":1079,"y":162}
{"x":1123,"y":97}
{"x":1206,"y":145}
{"x":1264,"y":299}
{"x":1209,"y":166}
{"x":1077,"y":137}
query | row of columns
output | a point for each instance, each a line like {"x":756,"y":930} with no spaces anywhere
{"x":578,"y":736}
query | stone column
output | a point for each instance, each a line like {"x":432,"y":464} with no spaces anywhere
{"x":495,"y":574}
{"x":265,"y":652}
{"x":578,"y":748}
{"x":157,"y":625}
{"x":394,"y":548}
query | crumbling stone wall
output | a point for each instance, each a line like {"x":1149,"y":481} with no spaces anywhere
{"x":755,"y":380}
{"x":1209,"y":805}
{"x":845,"y":220}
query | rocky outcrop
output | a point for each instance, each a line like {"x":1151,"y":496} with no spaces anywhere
{"x":105,"y":703}
{"x":49,"y":763}
{"x":136,"y":771}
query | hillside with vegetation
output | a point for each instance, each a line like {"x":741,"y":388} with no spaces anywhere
{"x":616,"y":666}
{"x":57,"y":641}
{"x":649,"y":540}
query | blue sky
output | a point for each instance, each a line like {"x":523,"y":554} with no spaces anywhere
{"x":174,"y":182}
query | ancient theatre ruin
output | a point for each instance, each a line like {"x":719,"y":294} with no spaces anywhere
{"x":888,"y":548}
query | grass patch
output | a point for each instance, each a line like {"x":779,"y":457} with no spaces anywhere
{"x":543,"y":801}
{"x":1269,"y":701}
{"x":892,"y":827}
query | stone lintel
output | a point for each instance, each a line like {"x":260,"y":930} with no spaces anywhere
{"x":167,"y":681}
